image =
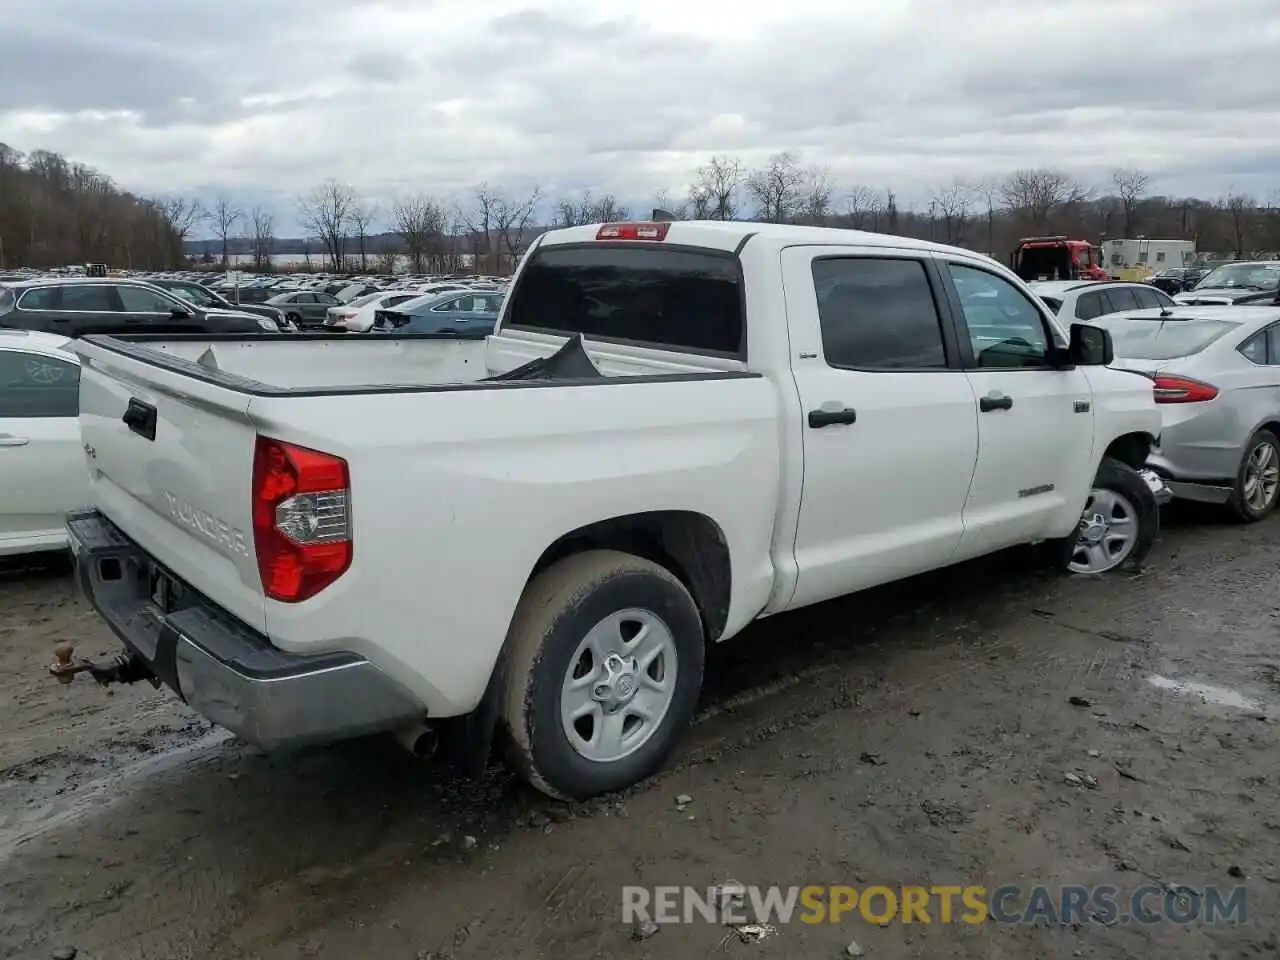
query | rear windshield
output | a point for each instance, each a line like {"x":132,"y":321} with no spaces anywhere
{"x":679,"y":299}
{"x":1053,"y":303}
{"x":1139,"y":339}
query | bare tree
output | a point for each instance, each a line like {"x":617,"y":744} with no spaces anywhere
{"x":952,"y":203}
{"x":511,"y":219}
{"x":990,"y":189}
{"x":1131,"y":187}
{"x":585,"y":209}
{"x":421,"y":221}
{"x":891,"y":211}
{"x":326,"y":213}
{"x":263,"y":225}
{"x":1035,"y":195}
{"x":364,"y":215}
{"x":1270,"y":222}
{"x":816,"y":193}
{"x":663,"y":201}
{"x":225,"y":215}
{"x":714,"y":192}
{"x":478,"y":218}
{"x":180,"y":215}
{"x":859,"y":204}
{"x":1240,"y":209}
{"x":777,"y":188}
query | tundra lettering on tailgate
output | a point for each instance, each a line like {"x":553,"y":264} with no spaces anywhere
{"x":205,"y":523}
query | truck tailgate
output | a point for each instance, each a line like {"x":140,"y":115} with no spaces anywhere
{"x":170,"y":460}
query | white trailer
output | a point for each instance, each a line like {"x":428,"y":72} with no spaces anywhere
{"x":1146,"y":255}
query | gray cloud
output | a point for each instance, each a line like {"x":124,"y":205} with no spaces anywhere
{"x":265,"y":98}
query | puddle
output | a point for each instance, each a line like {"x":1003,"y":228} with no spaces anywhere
{"x":98,"y":795}
{"x":1219,"y":696}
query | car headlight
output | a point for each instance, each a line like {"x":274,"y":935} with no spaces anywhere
{"x":268,"y":325}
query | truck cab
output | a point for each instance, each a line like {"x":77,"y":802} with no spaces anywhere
{"x":1057,"y":258}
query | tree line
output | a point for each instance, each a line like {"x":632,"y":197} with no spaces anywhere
{"x":54,"y":211}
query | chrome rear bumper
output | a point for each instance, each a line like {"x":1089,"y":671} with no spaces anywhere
{"x":222,"y":668}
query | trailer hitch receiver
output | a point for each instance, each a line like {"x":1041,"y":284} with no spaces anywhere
{"x":125,"y":667}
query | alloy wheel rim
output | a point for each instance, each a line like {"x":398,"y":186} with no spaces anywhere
{"x":1261,"y":477}
{"x":1107,"y":534}
{"x":619,"y":685}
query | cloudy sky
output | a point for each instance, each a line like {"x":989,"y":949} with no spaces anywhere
{"x":263,"y":98}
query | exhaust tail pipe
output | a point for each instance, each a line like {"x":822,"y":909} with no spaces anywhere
{"x":419,"y":739}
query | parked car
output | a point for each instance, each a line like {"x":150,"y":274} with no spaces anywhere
{"x":306,"y":308}
{"x":1176,"y":279}
{"x":1084,"y":300}
{"x":357,"y":316}
{"x":677,"y":428}
{"x":471,"y":314}
{"x":41,"y":460}
{"x":203,"y":297}
{"x":75,"y":307}
{"x":1217,"y":380}
{"x":1240,"y":282}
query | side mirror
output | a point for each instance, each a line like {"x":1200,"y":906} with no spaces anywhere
{"x":180,"y":313}
{"x":1090,"y":346}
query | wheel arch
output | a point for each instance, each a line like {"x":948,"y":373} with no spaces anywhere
{"x":691,"y":545}
{"x":1131,"y":449}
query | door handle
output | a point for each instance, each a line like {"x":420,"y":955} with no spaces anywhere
{"x":995,"y":402}
{"x":830,"y":418}
{"x":140,"y":418}
{"x":8,"y":440}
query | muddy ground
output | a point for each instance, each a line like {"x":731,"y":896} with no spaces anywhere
{"x":918,"y":734}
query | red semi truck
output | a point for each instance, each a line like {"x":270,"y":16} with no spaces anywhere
{"x":1057,"y":258}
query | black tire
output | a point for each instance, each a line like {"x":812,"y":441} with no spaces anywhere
{"x":1238,"y":505}
{"x":294,"y":318}
{"x":1124,"y":480}
{"x":556,"y":611}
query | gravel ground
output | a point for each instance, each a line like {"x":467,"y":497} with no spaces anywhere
{"x":920,"y":734}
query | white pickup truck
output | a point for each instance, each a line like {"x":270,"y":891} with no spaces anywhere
{"x":675,"y":429}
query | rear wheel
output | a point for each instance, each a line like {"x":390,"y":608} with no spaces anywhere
{"x":1254,"y":493}
{"x":604,"y":670}
{"x":1118,"y":524}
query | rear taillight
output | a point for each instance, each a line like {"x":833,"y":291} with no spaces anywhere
{"x":633,"y":231}
{"x":1182,"y":390}
{"x":301,"y":519}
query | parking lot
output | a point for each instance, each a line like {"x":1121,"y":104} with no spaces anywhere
{"x":982,"y":725}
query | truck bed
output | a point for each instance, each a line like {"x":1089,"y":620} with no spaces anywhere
{"x":294,"y":363}
{"x":298,"y":365}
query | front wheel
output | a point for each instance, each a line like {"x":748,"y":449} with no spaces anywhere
{"x":603,"y":673}
{"x":1117,"y":527}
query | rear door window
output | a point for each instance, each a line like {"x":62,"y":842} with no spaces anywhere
{"x":1255,"y":349}
{"x":1089,"y":306}
{"x":673,"y":298}
{"x":878,"y":314}
{"x":91,"y":298}
{"x":1119,"y":299}
{"x":1147,"y":299}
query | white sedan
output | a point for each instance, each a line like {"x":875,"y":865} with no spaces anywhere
{"x":42,"y":460}
{"x":357,"y":316}
{"x":1083,"y":300}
